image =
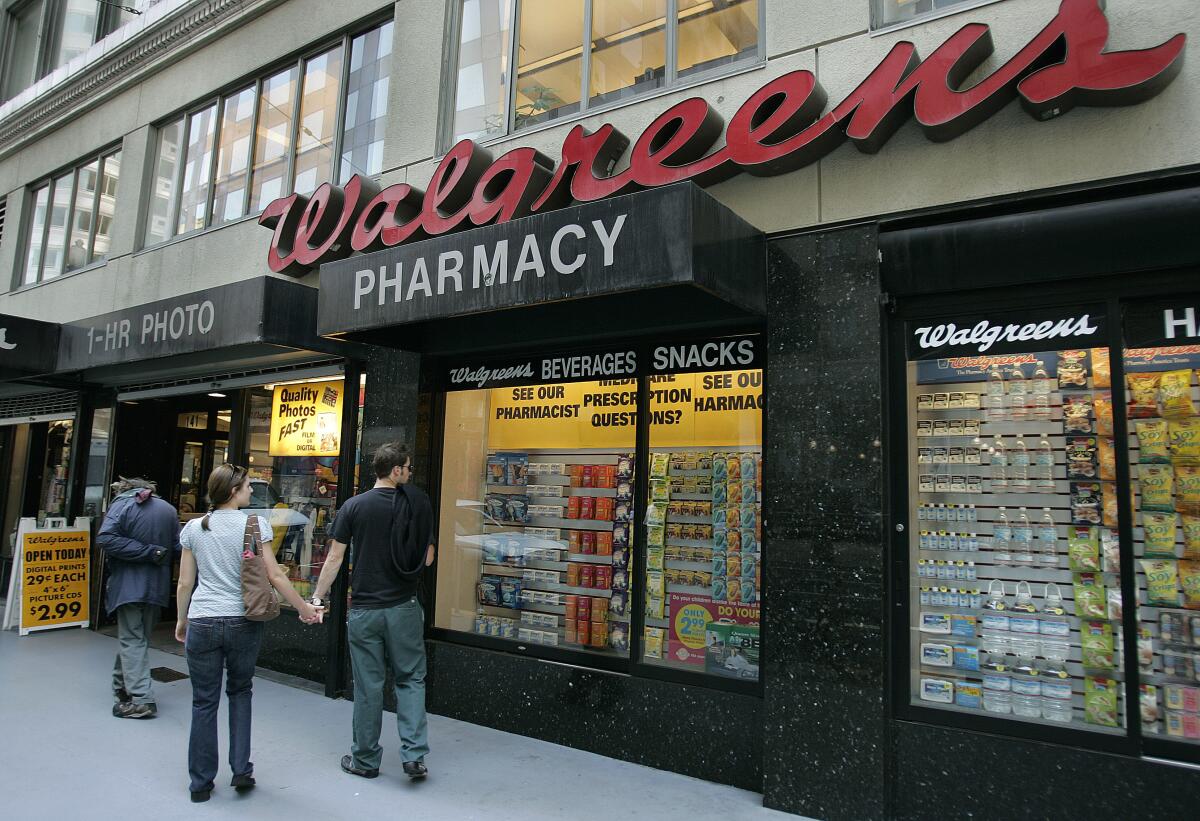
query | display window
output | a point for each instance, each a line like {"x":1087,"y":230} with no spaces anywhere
{"x":579,"y":514}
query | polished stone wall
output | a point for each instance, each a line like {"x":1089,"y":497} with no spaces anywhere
{"x":824,"y":722}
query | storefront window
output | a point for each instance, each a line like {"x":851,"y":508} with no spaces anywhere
{"x":276,"y":103}
{"x":84,"y":217}
{"x":573,"y":56}
{"x":318,"y":120}
{"x":158,"y":215}
{"x":56,"y":232}
{"x":95,"y":492}
{"x":233,"y":156}
{"x":704,"y":523}
{"x":366,"y":103}
{"x":537,"y":514}
{"x":37,"y":235}
{"x":1014,"y":548}
{"x":193,"y":206}
{"x":53,"y":498}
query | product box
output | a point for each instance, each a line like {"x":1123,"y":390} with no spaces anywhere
{"x":732,"y":650}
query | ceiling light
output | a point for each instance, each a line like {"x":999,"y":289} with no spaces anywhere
{"x":217,"y":395}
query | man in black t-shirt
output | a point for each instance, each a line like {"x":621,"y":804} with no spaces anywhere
{"x":386,"y":623}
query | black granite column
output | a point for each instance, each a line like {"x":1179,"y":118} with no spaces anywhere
{"x":823,"y":570}
{"x":390,"y":410}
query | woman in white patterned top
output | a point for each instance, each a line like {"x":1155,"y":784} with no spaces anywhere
{"x":216,"y":634}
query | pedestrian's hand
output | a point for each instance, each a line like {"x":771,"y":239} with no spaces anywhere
{"x":309,"y":614}
{"x":181,"y":631}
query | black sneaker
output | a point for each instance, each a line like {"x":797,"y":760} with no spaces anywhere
{"x":201,"y":797}
{"x":128,"y":709}
{"x":348,"y":767}
{"x":415,"y":769}
{"x":241,"y":783}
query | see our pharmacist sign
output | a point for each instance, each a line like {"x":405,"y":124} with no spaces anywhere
{"x":306,"y":419}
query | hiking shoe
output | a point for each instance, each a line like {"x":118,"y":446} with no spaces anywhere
{"x":415,"y":769}
{"x":242,"y":782}
{"x":128,"y":709}
{"x":348,"y":767}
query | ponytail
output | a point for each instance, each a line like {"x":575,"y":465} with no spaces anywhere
{"x":204,"y":521}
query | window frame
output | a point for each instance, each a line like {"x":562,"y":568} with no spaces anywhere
{"x":47,"y":182}
{"x":875,"y":29}
{"x":671,"y":81}
{"x":297,"y":62}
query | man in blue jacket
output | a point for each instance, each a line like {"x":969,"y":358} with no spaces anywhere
{"x":140,"y":538}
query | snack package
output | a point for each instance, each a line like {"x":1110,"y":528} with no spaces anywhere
{"x":1143,"y":388}
{"x":517,"y":467}
{"x":1175,"y":395}
{"x":1090,"y":599}
{"x":1114,"y":603}
{"x":1072,"y":369}
{"x":1081,"y":457}
{"x":1100,"y":701}
{"x":1083,"y":548}
{"x":1162,"y":582}
{"x":659,"y":463}
{"x":1189,"y":580}
{"x":1104,"y":417}
{"x":653,"y":642}
{"x":1108,"y":502}
{"x":1159,"y":529}
{"x":1148,"y":700}
{"x":1110,"y":550}
{"x":1077,"y":414}
{"x":1183,"y":437}
{"x":1101,"y":374}
{"x":1096,"y":645}
{"x":1145,"y":649}
{"x":1085,"y":503}
{"x":497,"y":473}
{"x":1152,"y":443}
{"x":1157,"y":486}
{"x":1106,"y":455}
{"x":1191,"y":537}
{"x":1187,"y":489}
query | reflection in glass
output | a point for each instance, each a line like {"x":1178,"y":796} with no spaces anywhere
{"x":193,"y":206}
{"x":77,"y":30}
{"x":366,"y":103}
{"x":233,"y":155}
{"x":716,"y":34}
{"x":37,"y":233}
{"x":318,"y":120}
{"x":56,"y":237}
{"x":887,"y":12}
{"x":25,"y":25}
{"x":629,"y":45}
{"x":549,"y":62}
{"x":276,"y":108}
{"x":110,"y":173}
{"x":158,"y":215}
{"x":481,"y":90}
{"x":78,"y":253}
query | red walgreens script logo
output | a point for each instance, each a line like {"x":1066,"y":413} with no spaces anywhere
{"x":780,"y":128}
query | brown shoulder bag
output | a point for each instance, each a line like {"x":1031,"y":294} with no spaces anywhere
{"x":257,"y":593}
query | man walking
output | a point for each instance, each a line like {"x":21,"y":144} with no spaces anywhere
{"x":140,"y":537}
{"x":391,"y":530}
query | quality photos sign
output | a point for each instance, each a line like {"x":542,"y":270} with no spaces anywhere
{"x":306,"y":419}
{"x":53,"y":575}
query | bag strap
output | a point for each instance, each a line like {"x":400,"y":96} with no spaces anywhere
{"x":252,"y":537}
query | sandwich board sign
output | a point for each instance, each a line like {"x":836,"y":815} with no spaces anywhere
{"x":50,"y":587}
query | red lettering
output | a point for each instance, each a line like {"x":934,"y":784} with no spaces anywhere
{"x":779,"y":129}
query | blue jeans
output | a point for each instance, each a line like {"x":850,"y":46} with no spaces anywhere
{"x":377,"y":637}
{"x":215,"y":643}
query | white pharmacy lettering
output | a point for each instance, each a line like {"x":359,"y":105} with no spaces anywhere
{"x":479,"y":377}
{"x":4,"y":343}
{"x":1185,"y":323}
{"x":501,"y":264}
{"x":708,"y":355}
{"x":984,"y":334}
{"x":197,"y":318}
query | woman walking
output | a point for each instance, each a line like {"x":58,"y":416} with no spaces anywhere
{"x":214,"y":629}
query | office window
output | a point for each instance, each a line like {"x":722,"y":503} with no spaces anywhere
{"x":897,"y":12}
{"x":572,"y":57}
{"x":71,"y":219}
{"x":293,"y":129}
{"x":42,"y":35}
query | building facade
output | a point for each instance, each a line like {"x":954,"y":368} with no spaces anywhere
{"x":760,"y":457}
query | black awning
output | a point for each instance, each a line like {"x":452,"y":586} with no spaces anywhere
{"x":28,"y":347}
{"x":668,"y":257}
{"x":266,"y":312}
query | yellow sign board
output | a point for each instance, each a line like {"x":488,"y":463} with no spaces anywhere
{"x":720,"y":409}
{"x":306,"y":419}
{"x":567,"y":416}
{"x":54,"y":570}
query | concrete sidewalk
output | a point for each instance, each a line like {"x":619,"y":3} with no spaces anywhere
{"x":63,"y":755}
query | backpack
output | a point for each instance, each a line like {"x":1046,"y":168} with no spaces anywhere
{"x":410,"y":532}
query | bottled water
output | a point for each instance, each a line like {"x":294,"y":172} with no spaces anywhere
{"x":1018,"y":394}
{"x":995,"y":394}
{"x":1018,"y":467}
{"x":1043,"y":463}
{"x":1002,"y":538}
{"x":1047,"y":540}
{"x":1022,"y":538}
{"x":1042,"y":386}
{"x":999,"y":460}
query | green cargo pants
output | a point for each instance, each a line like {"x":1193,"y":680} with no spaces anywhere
{"x":394,"y":635}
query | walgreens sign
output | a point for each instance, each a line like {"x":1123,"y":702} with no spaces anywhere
{"x":781,"y":127}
